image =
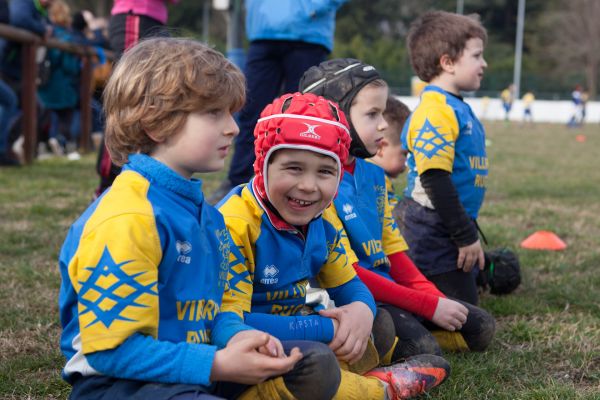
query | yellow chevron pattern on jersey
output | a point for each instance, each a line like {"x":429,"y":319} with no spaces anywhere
{"x":241,"y":222}
{"x":260,"y":246}
{"x":117,"y":282}
{"x":341,"y":255}
{"x":432,"y":133}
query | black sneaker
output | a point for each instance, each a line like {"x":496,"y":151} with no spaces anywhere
{"x":224,"y":188}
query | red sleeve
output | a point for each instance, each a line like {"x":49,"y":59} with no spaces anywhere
{"x":389,"y":292}
{"x":406,"y":273}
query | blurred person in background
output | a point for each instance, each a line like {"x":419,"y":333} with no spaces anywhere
{"x":130,"y":21}
{"x":30,"y":15}
{"x":8,"y":104}
{"x":60,"y":93}
{"x":528,"y":99}
{"x":286,"y":38}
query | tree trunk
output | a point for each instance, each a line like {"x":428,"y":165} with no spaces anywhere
{"x":103,"y":8}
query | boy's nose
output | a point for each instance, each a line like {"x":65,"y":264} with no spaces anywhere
{"x":232,"y":127}
{"x":307,"y":183}
{"x":382,"y":124}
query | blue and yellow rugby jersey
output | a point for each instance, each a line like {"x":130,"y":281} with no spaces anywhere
{"x":277,"y":263}
{"x":363,"y":207}
{"x":148,"y":257}
{"x":393,"y":198}
{"x":443,"y":133}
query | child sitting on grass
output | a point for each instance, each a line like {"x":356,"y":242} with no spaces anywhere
{"x":144,"y":269}
{"x":390,"y":155}
{"x":287,"y":235}
{"x":415,"y":304}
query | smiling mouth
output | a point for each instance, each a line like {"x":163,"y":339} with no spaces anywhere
{"x":301,"y":203}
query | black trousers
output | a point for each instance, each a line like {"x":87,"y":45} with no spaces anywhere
{"x":414,"y":333}
{"x":316,"y":376}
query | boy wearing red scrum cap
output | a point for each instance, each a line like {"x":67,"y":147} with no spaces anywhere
{"x":287,"y":235}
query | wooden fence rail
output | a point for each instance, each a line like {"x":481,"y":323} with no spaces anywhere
{"x":30,"y":42}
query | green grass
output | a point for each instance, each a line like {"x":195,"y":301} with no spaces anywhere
{"x":548,"y":340}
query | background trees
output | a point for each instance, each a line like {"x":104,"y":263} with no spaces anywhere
{"x":561,"y":46}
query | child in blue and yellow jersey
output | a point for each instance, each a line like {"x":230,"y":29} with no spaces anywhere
{"x":447,"y":161}
{"x":144,"y":269}
{"x":415,"y":304}
{"x":390,"y":155}
{"x":287,"y":235}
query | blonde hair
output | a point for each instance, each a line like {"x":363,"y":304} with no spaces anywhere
{"x":157,"y":84}
{"x":60,"y":13}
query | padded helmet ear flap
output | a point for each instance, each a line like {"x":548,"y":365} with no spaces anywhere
{"x":340,"y":80}
{"x":502,"y":271}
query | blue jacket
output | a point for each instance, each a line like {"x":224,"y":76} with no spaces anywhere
{"x":62,"y":89}
{"x":144,"y":270}
{"x":311,"y":21}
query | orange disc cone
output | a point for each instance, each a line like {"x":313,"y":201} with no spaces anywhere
{"x":580,"y":138}
{"x":543,"y":240}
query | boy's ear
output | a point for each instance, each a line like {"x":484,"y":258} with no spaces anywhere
{"x":446,"y":63}
{"x":155,"y":138}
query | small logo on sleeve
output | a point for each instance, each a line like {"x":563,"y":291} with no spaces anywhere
{"x":349,"y":211}
{"x":183,"y":248}
{"x":469,"y":128}
{"x":270,"y":272}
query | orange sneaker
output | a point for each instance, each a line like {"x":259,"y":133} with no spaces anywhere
{"x":415,"y":376}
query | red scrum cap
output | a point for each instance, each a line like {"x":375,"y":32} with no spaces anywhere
{"x":301,"y":122}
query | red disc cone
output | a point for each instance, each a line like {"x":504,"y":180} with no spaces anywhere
{"x":580,"y":138}
{"x":543,"y":240}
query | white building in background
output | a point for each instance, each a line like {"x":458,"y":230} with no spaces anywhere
{"x":559,"y":111}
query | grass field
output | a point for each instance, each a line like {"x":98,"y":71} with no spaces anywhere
{"x":548,"y":340}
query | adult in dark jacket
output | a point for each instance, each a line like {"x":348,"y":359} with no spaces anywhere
{"x":286,"y":38}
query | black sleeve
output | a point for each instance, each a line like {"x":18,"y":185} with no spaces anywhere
{"x":443,"y":196}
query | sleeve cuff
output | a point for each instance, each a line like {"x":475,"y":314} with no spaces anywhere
{"x":197,"y":364}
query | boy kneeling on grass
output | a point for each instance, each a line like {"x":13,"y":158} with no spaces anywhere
{"x":144,"y":269}
{"x":287,"y":235}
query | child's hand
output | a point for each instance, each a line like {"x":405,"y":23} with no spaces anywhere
{"x":336,"y":325}
{"x":352,"y":334}
{"x":469,"y":256}
{"x":240,"y":361}
{"x":450,"y":314}
{"x":273,"y":348}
